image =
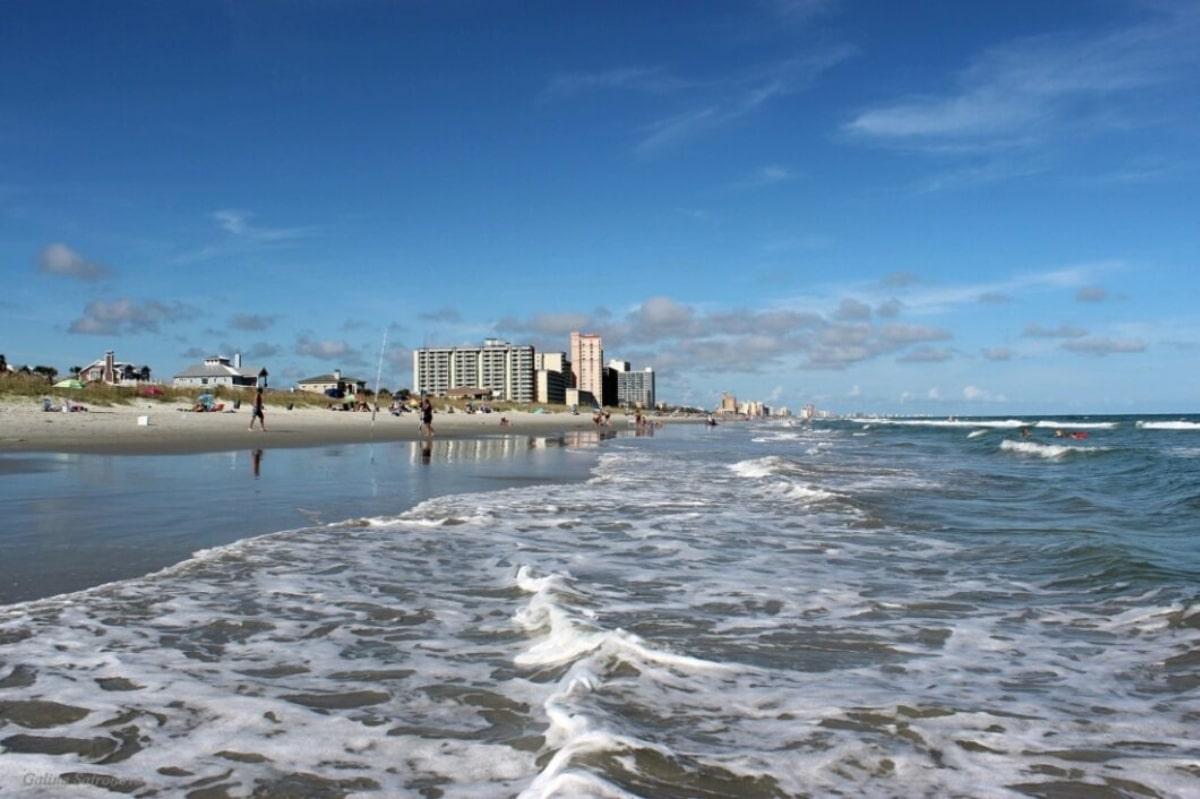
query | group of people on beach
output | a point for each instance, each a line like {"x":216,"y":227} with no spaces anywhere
{"x":67,"y":407}
{"x":644,"y":424}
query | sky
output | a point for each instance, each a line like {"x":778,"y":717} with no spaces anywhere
{"x":946,"y":208}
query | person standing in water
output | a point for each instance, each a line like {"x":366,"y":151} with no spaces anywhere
{"x":257,"y":411}
{"x":427,"y":417}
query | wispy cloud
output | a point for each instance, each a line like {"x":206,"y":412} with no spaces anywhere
{"x":1020,"y":90}
{"x":923,"y":300}
{"x":703,"y":104}
{"x":927,"y":355}
{"x":799,"y":11}
{"x":770,"y":175}
{"x":729,"y":100}
{"x":442,"y":316}
{"x":651,"y":80}
{"x":1091,"y":294}
{"x":243,"y":321}
{"x":238,"y":224}
{"x":1103,"y":345}
{"x":241,"y":236}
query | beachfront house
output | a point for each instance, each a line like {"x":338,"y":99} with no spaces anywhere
{"x":217,"y":370}
{"x":334,"y":385}
{"x":112,"y":372}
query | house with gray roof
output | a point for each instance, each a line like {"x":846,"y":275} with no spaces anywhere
{"x":217,"y":370}
{"x":333,"y":385}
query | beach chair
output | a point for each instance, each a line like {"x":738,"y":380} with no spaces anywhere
{"x":49,"y":406}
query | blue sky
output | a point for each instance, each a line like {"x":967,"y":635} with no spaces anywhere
{"x":928,"y":207}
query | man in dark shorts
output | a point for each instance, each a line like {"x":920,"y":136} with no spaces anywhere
{"x":427,"y":417}
{"x":257,"y":411}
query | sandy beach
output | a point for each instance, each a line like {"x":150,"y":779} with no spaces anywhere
{"x":147,"y":427}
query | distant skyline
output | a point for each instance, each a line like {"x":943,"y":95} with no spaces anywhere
{"x":939,"y":207}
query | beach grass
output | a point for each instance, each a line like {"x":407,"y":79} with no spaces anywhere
{"x":14,"y":387}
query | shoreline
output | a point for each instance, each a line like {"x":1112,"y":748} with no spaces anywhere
{"x":148,"y":428}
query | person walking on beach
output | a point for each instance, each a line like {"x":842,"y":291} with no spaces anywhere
{"x":427,"y":417}
{"x":257,"y":411}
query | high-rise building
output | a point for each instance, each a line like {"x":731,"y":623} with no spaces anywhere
{"x":552,"y":374}
{"x":504,"y":369}
{"x":587,"y":364}
{"x":635,"y":389}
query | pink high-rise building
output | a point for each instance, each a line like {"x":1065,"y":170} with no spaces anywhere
{"x":587,"y":363}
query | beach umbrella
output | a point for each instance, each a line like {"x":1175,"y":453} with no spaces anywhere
{"x":69,"y":383}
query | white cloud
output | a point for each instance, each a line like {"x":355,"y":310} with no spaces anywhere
{"x":329,"y":350}
{"x":852,"y":310}
{"x":59,"y":259}
{"x":1062,"y":331}
{"x":998,"y":354}
{"x":123,"y":315}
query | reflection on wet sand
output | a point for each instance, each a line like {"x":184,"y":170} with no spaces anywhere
{"x":475,"y":449}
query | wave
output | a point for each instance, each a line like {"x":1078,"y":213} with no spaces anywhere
{"x":1049,"y":451}
{"x":999,"y":424}
{"x":769,"y":466}
{"x":1077,"y":425}
{"x":1178,"y":425}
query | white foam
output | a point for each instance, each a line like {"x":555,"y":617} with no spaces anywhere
{"x":758,"y":467}
{"x":1000,"y":424}
{"x":1077,"y":425}
{"x":1049,"y":451}
{"x":1176,"y":425}
{"x":722,"y":611}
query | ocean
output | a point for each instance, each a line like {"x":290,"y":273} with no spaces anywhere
{"x":900,"y":608}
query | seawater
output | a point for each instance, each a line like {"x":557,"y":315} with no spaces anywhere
{"x":880,"y":609}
